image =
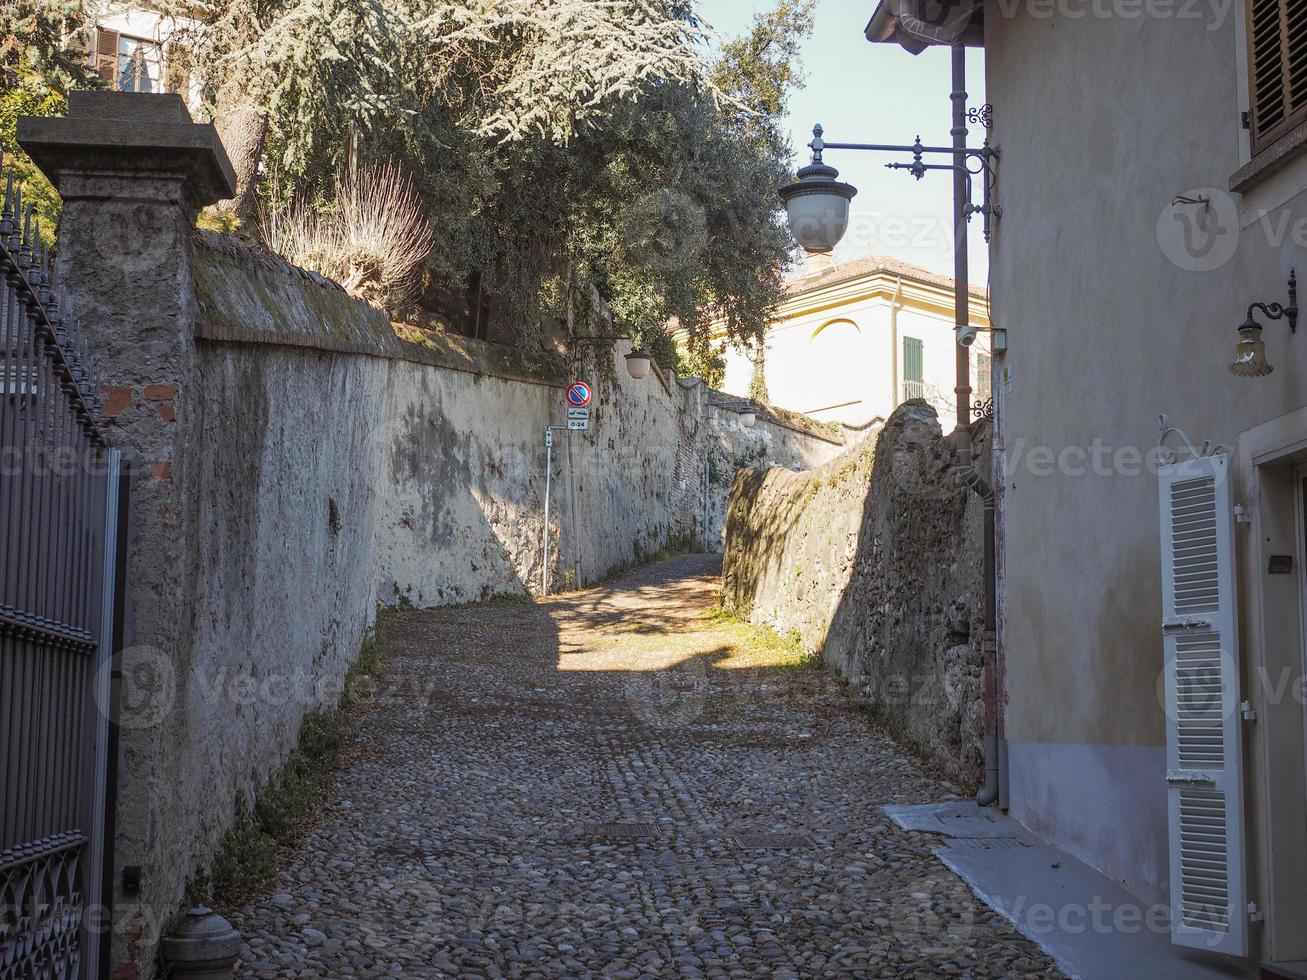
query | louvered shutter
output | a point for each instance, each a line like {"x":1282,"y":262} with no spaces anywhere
{"x":1202,"y":707}
{"x":1277,"y":68}
{"x":104,"y":56}
{"x":914,"y":366}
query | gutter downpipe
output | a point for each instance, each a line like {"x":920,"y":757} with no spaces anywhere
{"x":989,"y":793}
{"x":896,"y":384}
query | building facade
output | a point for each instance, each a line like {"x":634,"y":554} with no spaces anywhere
{"x":1152,"y":178}
{"x":850,"y":342}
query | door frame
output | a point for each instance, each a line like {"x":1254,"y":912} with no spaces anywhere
{"x":1272,"y":632}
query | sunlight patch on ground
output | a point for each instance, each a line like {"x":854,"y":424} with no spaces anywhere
{"x":713,"y":639}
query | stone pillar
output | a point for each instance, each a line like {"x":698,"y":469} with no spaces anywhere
{"x":133,"y":171}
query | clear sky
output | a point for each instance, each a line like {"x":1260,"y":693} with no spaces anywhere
{"x":877,"y":93}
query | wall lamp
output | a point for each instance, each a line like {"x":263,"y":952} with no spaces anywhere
{"x":1250,"y":350}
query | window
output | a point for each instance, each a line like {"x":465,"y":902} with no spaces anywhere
{"x":914,"y":377}
{"x":127,"y":64}
{"x":984,"y":374}
{"x":1277,"y":69}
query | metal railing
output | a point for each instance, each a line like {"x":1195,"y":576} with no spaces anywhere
{"x":913,"y":389}
{"x":58,"y":477}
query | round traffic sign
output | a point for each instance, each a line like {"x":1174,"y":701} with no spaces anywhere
{"x":578,"y":394}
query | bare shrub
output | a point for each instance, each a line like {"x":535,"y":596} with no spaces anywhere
{"x":372,"y":242}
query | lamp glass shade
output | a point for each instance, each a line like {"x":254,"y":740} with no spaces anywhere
{"x":817,"y":207}
{"x":1250,"y":353}
{"x":747,"y":419}
{"x":638,"y":364}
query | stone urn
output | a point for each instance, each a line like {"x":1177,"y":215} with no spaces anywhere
{"x":202,"y":945}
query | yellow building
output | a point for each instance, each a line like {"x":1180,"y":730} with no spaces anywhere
{"x":851,"y":341}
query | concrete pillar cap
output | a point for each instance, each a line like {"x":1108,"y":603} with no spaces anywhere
{"x":120,"y":133}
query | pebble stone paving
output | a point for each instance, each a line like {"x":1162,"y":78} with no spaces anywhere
{"x":610,"y":783}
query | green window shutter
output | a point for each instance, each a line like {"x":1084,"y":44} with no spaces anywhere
{"x":913,"y":361}
{"x":913,"y":369}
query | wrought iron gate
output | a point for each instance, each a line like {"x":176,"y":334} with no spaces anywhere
{"x":59,"y":483}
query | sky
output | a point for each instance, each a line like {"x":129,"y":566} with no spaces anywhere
{"x":877,"y":93}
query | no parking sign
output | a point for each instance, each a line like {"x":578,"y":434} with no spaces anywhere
{"x":578,"y":394}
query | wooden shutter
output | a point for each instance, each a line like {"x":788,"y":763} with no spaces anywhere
{"x":913,"y":369}
{"x":1205,"y":802}
{"x":984,"y":376}
{"x":104,"y":56}
{"x":1277,"y":68}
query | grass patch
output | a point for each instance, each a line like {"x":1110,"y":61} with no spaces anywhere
{"x":759,"y":647}
{"x":246,"y":856}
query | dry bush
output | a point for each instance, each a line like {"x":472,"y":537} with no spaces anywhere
{"x":373,"y":242}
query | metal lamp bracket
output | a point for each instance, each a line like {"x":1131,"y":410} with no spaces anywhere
{"x":984,"y":158}
{"x":1275,"y":311}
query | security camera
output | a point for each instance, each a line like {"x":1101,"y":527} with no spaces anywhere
{"x":967,"y":335}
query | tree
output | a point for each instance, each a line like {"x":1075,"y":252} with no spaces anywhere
{"x":578,"y":160}
{"x":758,"y":383}
{"x":38,"y":72}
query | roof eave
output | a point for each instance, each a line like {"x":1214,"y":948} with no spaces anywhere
{"x":885,"y":27}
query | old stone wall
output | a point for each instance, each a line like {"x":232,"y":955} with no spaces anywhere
{"x":875,"y":560}
{"x":775,"y":439}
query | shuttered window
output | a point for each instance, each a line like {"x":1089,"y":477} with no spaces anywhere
{"x":984,"y":374}
{"x":1200,"y":669}
{"x":130,"y":64}
{"x":914,"y":366}
{"x":1277,"y":68}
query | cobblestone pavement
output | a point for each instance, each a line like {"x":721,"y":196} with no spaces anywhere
{"x":613,"y":783}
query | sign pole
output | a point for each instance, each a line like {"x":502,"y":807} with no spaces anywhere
{"x":576,"y":538}
{"x":549,"y":470}
{"x":577,"y":396}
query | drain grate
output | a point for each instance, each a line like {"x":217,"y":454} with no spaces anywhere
{"x":987,"y":843}
{"x":773,"y":842}
{"x":624,"y":831}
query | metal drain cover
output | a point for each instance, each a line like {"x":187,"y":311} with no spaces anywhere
{"x":987,"y":843}
{"x":624,"y":831}
{"x":773,"y":842}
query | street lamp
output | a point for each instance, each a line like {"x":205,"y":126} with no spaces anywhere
{"x":638,"y":364}
{"x":748,"y":418}
{"x":817,"y":205}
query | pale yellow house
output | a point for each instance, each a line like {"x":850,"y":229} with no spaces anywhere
{"x":852,"y":341}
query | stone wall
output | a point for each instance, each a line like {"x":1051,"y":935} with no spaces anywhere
{"x":874,"y":560}
{"x":779,"y":439}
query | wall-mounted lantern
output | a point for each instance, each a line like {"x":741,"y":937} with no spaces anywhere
{"x":748,"y":418}
{"x":638,"y":364}
{"x":1250,"y":350}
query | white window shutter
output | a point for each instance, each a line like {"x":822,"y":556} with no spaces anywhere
{"x":1203,"y":762}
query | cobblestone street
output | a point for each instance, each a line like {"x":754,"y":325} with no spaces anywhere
{"x":618,"y":782}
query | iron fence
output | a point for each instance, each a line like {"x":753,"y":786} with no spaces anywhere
{"x":59,"y":481}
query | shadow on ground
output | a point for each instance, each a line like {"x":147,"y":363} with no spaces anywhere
{"x":618,"y":782}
